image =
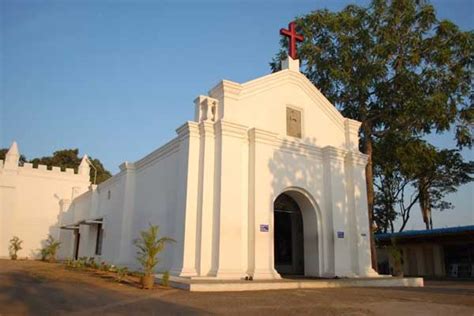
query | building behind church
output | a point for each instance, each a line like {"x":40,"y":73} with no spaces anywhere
{"x":33,"y":201}
{"x":267,"y":180}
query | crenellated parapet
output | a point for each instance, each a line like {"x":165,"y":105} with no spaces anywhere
{"x":11,"y":165}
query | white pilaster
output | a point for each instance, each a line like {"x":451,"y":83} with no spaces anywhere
{"x":186,"y":213}
{"x":229,"y":198}
{"x":127,"y":252}
{"x":261,"y":257}
{"x":206,"y":212}
{"x":359,"y":223}
{"x":337,"y":191}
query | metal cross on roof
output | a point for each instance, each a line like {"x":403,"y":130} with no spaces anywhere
{"x":293,"y":38}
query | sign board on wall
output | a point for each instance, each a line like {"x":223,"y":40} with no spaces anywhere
{"x":264,"y":228}
{"x":340,"y":234}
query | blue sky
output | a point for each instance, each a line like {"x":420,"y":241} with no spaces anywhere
{"x":116,"y":78}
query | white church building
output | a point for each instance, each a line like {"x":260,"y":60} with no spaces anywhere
{"x":267,"y":180}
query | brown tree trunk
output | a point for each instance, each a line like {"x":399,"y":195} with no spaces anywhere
{"x":424,"y":202}
{"x":369,"y":178}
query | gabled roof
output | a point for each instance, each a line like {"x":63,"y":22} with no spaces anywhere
{"x":241,"y":91}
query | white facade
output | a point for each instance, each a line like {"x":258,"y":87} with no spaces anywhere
{"x":30,"y":198}
{"x":213,"y":188}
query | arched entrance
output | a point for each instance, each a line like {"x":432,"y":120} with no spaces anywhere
{"x":288,"y":236}
{"x":296,"y":240}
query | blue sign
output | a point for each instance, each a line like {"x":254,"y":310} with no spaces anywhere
{"x":264,"y":228}
{"x":340,"y":234}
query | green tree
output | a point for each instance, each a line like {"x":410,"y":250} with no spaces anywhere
{"x":393,"y":66}
{"x":69,"y":158}
{"x":410,"y":172}
{"x":14,"y":247}
{"x":435,"y":174}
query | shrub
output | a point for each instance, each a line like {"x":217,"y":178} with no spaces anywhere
{"x":90,"y":263}
{"x":104,"y":266}
{"x":121,"y":273}
{"x":44,"y":254}
{"x":15,"y":246}
{"x":50,"y":249}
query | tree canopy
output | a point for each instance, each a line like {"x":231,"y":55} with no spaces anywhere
{"x":403,"y":73}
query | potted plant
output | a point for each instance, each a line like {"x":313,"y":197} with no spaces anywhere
{"x":149,"y":246}
{"x":15,"y":246}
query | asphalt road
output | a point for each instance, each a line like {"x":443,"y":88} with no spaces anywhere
{"x":37,"y":288}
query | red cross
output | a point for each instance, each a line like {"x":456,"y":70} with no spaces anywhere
{"x":294,"y":37}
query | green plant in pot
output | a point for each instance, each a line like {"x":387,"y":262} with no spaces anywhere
{"x":149,"y":246}
{"x":14,"y":247}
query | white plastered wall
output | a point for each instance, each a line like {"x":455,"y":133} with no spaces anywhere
{"x":30,"y":198}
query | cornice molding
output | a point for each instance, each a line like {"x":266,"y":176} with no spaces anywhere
{"x":126,"y":165}
{"x":292,"y":146}
{"x":226,"y":89}
{"x":262,"y":136}
{"x":357,"y":158}
{"x":334,"y":153}
{"x":189,"y":128}
{"x":226,"y":128}
{"x":206,"y":128}
{"x":352,"y":125}
{"x":300,"y":147}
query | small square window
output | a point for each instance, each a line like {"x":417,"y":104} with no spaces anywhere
{"x":293,"y":122}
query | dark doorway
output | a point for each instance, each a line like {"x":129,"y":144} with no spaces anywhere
{"x":288,"y":236}
{"x":77,"y":237}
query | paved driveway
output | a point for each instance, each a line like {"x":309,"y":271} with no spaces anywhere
{"x":37,"y":288}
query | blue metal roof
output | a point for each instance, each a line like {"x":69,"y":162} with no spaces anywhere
{"x":431,"y":232}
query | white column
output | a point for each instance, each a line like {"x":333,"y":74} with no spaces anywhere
{"x":261,"y":256}
{"x":186,"y":212}
{"x":360,"y":239}
{"x":230,"y":205}
{"x":206,"y":198}
{"x":336,"y":196}
{"x":127,"y":251}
